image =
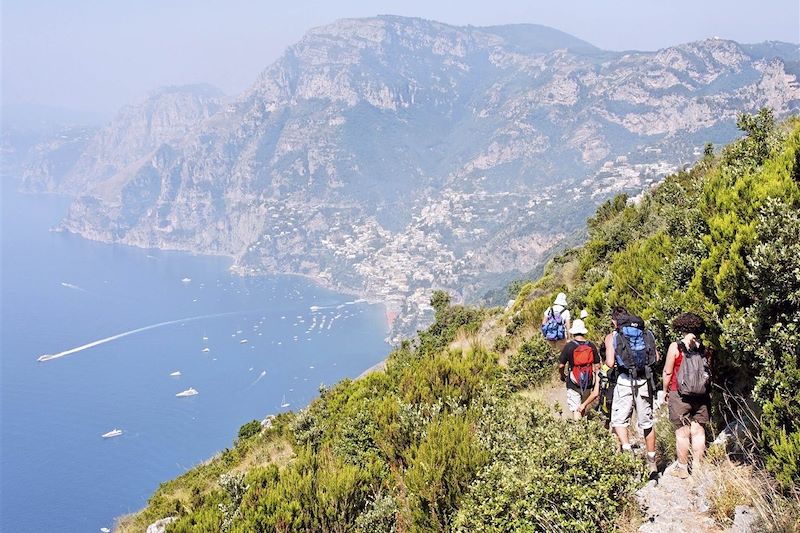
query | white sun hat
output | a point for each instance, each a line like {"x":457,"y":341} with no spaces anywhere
{"x":584,"y":313}
{"x":561,"y":299}
{"x":578,"y":328}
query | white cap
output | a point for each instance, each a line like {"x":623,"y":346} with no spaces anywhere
{"x":578,"y":328}
{"x":561,"y":299}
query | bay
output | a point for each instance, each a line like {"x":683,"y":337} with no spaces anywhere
{"x":60,"y":292}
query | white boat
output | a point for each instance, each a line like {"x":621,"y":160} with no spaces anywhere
{"x":187,"y":280}
{"x":113,"y":433}
{"x":206,"y":349}
{"x":243,"y":341}
{"x":188,"y":392}
{"x":175,"y":374}
{"x":205,"y":338}
{"x":284,"y":403}
{"x":105,"y":529}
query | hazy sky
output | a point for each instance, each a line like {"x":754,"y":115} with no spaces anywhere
{"x":99,"y":55}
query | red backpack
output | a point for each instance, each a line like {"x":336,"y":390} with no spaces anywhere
{"x":582,"y":372}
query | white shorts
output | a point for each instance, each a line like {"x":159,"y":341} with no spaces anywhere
{"x":626,"y":394}
{"x":575,"y":398}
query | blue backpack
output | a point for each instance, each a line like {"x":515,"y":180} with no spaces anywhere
{"x":634,"y":346}
{"x":554,"y":328}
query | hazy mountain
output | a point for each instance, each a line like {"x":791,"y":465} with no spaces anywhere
{"x":392,"y":155}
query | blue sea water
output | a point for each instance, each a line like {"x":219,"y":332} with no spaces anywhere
{"x":60,"y":292}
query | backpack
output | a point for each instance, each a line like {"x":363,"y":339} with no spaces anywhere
{"x":582,"y":371}
{"x":607,"y":384}
{"x":634,"y":346}
{"x":693,"y":374}
{"x":554,"y":328}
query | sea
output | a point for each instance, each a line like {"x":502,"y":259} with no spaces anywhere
{"x":120,"y":321}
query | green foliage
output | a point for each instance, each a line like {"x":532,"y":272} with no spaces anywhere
{"x":440,"y":301}
{"x":533,"y":363}
{"x":546,"y":474}
{"x":441,"y":468}
{"x":249,"y":429}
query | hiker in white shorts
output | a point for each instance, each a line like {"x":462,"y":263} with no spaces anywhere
{"x":631,"y":392}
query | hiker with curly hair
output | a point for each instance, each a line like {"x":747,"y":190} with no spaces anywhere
{"x":687,"y":380}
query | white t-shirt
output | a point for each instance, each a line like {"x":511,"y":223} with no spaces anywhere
{"x":558,"y":309}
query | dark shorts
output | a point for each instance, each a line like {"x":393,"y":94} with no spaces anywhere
{"x":684,"y":410}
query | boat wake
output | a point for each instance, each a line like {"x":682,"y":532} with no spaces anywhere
{"x":71,"y":286}
{"x":259,"y":378}
{"x":50,"y":357}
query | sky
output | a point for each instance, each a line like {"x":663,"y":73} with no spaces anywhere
{"x":97,"y":56}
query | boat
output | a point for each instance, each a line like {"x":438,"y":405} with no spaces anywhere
{"x":187,"y":280}
{"x":206,"y":349}
{"x":243,"y":341}
{"x":175,"y":374}
{"x":284,"y":403}
{"x":205,"y":338}
{"x":113,"y":433}
{"x":105,"y":529}
{"x":188,"y":392}
{"x":43,"y":358}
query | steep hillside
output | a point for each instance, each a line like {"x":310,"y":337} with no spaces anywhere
{"x":448,"y":439}
{"x":391,"y":156}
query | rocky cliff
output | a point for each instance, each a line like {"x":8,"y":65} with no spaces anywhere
{"x":392,"y":155}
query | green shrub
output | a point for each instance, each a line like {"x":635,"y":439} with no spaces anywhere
{"x":546,"y":474}
{"x":249,"y":429}
{"x":440,"y":469}
{"x":533,"y":364}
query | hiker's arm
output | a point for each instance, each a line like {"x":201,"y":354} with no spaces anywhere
{"x":562,"y":363}
{"x":595,"y":390}
{"x":669,"y":366}
{"x":610,"y":350}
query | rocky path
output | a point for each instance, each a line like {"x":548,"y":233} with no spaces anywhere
{"x":676,"y":505}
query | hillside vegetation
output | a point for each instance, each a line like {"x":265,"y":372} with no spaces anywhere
{"x":444,"y":440}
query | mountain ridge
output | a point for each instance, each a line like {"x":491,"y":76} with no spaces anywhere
{"x":392,"y":156}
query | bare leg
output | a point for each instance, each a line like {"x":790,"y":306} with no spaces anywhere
{"x":622,"y":434}
{"x":650,"y":439}
{"x":682,"y":436}
{"x":698,"y":433}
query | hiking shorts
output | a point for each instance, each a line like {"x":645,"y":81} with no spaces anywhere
{"x":575,"y":398}
{"x":685,"y":410}
{"x":627,"y":394}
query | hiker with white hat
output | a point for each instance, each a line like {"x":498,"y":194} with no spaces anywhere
{"x":578,"y":366}
{"x":556,"y":322}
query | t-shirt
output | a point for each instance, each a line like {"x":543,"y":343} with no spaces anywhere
{"x":558,"y":308}
{"x":567,"y":359}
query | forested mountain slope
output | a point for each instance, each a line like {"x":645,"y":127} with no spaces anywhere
{"x":443,"y":439}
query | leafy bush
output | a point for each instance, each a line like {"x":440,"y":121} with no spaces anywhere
{"x":441,"y":468}
{"x":546,"y":474}
{"x":533,"y":364}
{"x":249,"y":429}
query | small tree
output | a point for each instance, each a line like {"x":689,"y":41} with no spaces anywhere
{"x":440,"y":301}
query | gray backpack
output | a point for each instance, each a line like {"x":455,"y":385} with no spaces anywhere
{"x":694,"y":376}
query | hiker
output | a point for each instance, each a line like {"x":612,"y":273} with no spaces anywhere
{"x":631,"y":352}
{"x":556,"y":322}
{"x":687,"y":379}
{"x":578,"y":367}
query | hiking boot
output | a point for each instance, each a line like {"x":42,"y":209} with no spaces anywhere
{"x":680,"y":471}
